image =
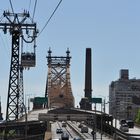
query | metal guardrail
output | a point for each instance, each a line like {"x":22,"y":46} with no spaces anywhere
{"x":120,"y":135}
{"x":31,"y":137}
{"x":126,"y":136}
{"x":33,"y":130}
{"x":62,"y":117}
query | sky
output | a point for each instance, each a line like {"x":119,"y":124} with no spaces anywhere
{"x":111,"y":28}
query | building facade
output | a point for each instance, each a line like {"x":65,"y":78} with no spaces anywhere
{"x":124,"y":96}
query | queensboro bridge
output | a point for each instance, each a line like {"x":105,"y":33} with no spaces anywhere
{"x":58,"y":85}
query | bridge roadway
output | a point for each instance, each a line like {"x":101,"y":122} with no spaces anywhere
{"x":33,"y":115}
{"x":74,"y":132}
{"x":132,"y":134}
{"x":133,"y":131}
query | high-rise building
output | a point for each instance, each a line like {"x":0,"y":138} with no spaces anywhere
{"x":124,"y":96}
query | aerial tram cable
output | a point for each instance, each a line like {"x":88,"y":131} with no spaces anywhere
{"x":29,"y":5}
{"x":34,"y":9}
{"x":11,"y":6}
{"x":50,"y":17}
{"x":1,"y":18}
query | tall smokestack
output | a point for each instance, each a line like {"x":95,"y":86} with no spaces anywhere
{"x":1,"y":118}
{"x":88,"y":77}
{"x":85,"y":102}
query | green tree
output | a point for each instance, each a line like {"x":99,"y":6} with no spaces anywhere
{"x":138,"y":117}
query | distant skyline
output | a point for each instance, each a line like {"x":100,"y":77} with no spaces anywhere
{"x":110,"y":28}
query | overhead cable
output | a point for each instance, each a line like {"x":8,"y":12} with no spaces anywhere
{"x":29,"y":5}
{"x":1,"y":18}
{"x":50,"y":17}
{"x":34,"y":9}
{"x":11,"y":6}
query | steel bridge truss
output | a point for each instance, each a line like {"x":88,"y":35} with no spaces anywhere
{"x":58,"y":81}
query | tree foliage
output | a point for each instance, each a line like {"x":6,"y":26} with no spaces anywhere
{"x":138,"y":117}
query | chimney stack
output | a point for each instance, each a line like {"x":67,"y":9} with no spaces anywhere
{"x":1,"y":118}
{"x":85,"y":102}
{"x":88,"y":78}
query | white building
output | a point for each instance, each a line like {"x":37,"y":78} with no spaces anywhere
{"x":124,"y":96}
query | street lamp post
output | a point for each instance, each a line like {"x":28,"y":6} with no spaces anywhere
{"x":94,"y":124}
{"x":114,"y":114}
{"x":102,"y":120}
{"x":25,"y":121}
{"x":104,"y":109}
{"x":27,"y":100}
{"x":97,"y":100}
{"x":104,"y":103}
{"x":93,"y":129}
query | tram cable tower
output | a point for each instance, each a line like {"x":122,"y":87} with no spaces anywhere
{"x":23,"y":30}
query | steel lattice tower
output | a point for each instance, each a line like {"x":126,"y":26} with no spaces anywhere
{"x":58,"y":88}
{"x":21,"y":97}
{"x":15,"y":24}
{"x":13,"y":89}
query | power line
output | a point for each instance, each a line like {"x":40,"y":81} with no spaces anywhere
{"x":34,"y":9}
{"x":50,"y":17}
{"x":11,"y":6}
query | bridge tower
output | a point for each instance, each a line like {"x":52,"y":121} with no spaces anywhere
{"x":58,"y":87}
